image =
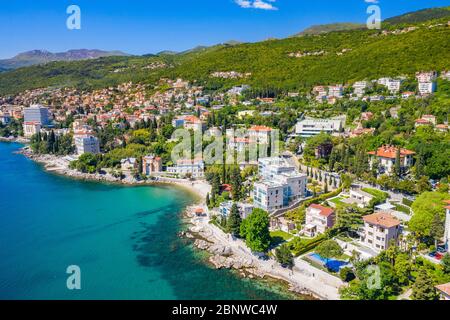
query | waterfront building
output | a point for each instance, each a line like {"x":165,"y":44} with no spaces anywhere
{"x":194,"y":168}
{"x":380,"y":230}
{"x":245,"y":209}
{"x":151,"y":164}
{"x":280,"y":184}
{"x":318,"y":220}
{"x":31,"y":128}
{"x":86,"y":144}
{"x":386,"y":157}
{"x":128,"y":164}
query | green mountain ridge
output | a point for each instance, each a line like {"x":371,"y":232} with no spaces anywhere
{"x":345,"y":57}
{"x":420,"y":16}
{"x":332,"y":27}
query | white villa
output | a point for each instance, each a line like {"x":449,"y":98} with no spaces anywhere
{"x":318,"y":220}
{"x":386,"y":156}
{"x":359,"y":197}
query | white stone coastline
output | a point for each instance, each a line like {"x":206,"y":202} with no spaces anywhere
{"x":230,"y":253}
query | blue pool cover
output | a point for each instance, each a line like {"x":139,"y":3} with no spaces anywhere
{"x":331,"y":264}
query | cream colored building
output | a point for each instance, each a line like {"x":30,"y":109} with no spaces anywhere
{"x":379,"y":230}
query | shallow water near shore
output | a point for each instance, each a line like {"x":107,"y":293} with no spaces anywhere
{"x":124,"y":239}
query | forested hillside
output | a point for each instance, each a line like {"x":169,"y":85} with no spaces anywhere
{"x":289,"y":64}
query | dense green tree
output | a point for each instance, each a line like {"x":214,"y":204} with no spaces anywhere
{"x":234,"y":220}
{"x":423,"y":288}
{"x":446,"y":263}
{"x":284,"y":256}
{"x":255,"y":231}
{"x":425,"y":208}
{"x":329,"y":249}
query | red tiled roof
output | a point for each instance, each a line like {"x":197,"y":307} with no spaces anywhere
{"x":260,"y":128}
{"x":444,"y":288}
{"x":382,"y":219}
{"x":324,"y":211}
{"x":391,"y":152}
{"x":423,"y":121}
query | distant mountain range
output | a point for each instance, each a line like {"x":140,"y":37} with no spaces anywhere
{"x":33,"y":57}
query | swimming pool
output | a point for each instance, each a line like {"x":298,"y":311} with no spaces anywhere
{"x":331,"y":264}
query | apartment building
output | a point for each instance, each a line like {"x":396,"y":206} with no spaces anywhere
{"x":36,"y":113}
{"x":359,"y":88}
{"x":259,"y":134}
{"x":86,"y":144}
{"x":426,"y":82}
{"x":380,"y":229}
{"x":280,"y":184}
{"x":245,"y":209}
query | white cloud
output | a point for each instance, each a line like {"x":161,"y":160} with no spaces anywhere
{"x":371,"y":1}
{"x":257,"y":4}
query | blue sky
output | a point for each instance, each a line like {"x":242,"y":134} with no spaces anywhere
{"x":149,"y":26}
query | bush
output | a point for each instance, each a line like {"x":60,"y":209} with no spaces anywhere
{"x":300,"y":246}
{"x":346,"y":274}
{"x":329,"y":249}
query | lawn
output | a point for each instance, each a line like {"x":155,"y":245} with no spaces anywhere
{"x":376,"y":193}
{"x":280,"y":237}
{"x":337,"y":200}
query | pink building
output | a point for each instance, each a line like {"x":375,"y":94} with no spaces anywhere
{"x":318,"y":220}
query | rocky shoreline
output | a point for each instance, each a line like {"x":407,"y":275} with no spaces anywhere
{"x":222,"y":256}
{"x":58,"y":165}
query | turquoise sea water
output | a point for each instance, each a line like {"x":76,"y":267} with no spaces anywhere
{"x":124,"y":239}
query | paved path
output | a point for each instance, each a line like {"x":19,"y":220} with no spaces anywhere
{"x":303,"y":275}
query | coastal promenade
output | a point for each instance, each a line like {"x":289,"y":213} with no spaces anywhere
{"x":303,"y":278}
